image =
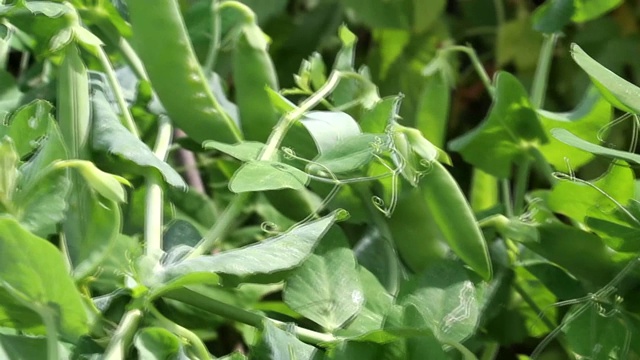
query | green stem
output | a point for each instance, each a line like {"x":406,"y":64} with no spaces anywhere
{"x":541,"y":77}
{"x":194,"y":298}
{"x":199,"y":348}
{"x":235,"y":207}
{"x":522,"y":183}
{"x":490,"y":351}
{"x":506,"y":195}
{"x":477,"y":65}
{"x":153,"y":199}
{"x":543,"y":166}
{"x":500,"y":13}
{"x":214,"y":45}
{"x":123,"y":335}
{"x":117,"y":91}
{"x":52,"y":334}
{"x":125,"y":49}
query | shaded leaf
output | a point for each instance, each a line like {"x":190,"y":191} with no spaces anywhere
{"x":267,"y":175}
{"x":279,"y":344}
{"x":329,"y":128}
{"x":155,"y":343}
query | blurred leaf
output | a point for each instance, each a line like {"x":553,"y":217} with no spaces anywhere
{"x":553,"y":15}
{"x":10,"y":94}
{"x":586,"y":10}
{"x":34,"y":276}
{"x":155,"y":343}
{"x":380,"y":14}
{"x":267,"y":175}
{"x":519,"y":44}
{"x":326,"y":288}
{"x":28,"y":125}
{"x":280,"y":344}
{"x":617,"y":236}
{"x":426,"y":12}
{"x":501,"y":140}
{"x":16,"y":347}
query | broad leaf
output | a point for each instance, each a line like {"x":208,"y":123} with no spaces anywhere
{"x":18,"y":347}
{"x":445,"y":302}
{"x":349,"y":155}
{"x":33,"y":276}
{"x":280,"y":344}
{"x":243,"y":151}
{"x":111,"y":136}
{"x":377,"y":303}
{"x":267,"y":175}
{"x":28,"y":126}
{"x":279,"y":253}
{"x":553,"y":15}
{"x":329,"y":128}
{"x":326,"y":288}
{"x":586,"y":10}
{"x":618,"y":91}
{"x":578,"y":200}
{"x":622,"y":238}
{"x":501,"y":140}
{"x":155,"y":343}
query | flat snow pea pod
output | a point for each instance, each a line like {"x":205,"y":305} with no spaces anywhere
{"x":161,"y":40}
{"x":253,"y":72}
{"x":454,"y":217}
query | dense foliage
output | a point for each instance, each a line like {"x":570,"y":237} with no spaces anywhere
{"x":319,"y":179}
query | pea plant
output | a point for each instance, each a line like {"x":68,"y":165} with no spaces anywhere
{"x":177,"y":184}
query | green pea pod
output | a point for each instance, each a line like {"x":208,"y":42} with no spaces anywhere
{"x":253,"y":72}
{"x":455,"y":219}
{"x":161,"y":40}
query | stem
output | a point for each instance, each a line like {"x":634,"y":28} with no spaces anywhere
{"x":127,"y":52}
{"x":543,"y":165}
{"x":522,"y":183}
{"x":506,"y":194}
{"x":199,"y":348}
{"x":117,"y":91}
{"x":500,"y":13}
{"x":477,"y":65}
{"x":52,"y":334}
{"x":214,"y":45}
{"x":194,"y":298}
{"x":123,"y":335}
{"x":190,"y":166}
{"x":490,"y":351}
{"x":236,"y":205}
{"x":540,"y":80}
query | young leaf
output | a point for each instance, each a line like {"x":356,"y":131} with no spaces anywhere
{"x":111,"y":136}
{"x":502,"y":138}
{"x":33,"y":276}
{"x":107,"y":185}
{"x":618,"y":91}
{"x":279,"y":253}
{"x":329,"y":128}
{"x":267,"y":175}
{"x":326,"y":288}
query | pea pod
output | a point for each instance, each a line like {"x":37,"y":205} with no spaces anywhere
{"x":253,"y":71}
{"x":455,"y":219}
{"x":175,"y":73}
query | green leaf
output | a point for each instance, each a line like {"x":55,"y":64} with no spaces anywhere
{"x":618,"y":91}
{"x":518,"y":43}
{"x":33,"y":275}
{"x":378,"y":255}
{"x":42,"y":200}
{"x":267,"y":175}
{"x":243,"y":151}
{"x":586,"y":10}
{"x":17,"y":347}
{"x":578,"y":200}
{"x":553,"y":15}
{"x":8,"y":172}
{"x":329,"y":128}
{"x":10,"y":94}
{"x":106,"y":184}
{"x":279,"y":253}
{"x":326,"y":288}
{"x":570,"y":139}
{"x":426,"y":13}
{"x":28,"y":125}
{"x":380,"y":14}
{"x":586,"y":120}
{"x":432,"y":111}
{"x":155,"y":343}
{"x":111,"y":136}
{"x":279,"y":344}
{"x":377,"y":303}
{"x":349,"y":155}
{"x":501,"y":140}
{"x":617,"y":236}
{"x":444,"y":301}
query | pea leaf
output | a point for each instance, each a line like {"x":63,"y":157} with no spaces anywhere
{"x":349,"y":155}
{"x":328,"y":128}
{"x":568,"y":138}
{"x":111,"y":136}
{"x":157,"y":343}
{"x":28,"y":126}
{"x":577,"y":200}
{"x":618,"y":91}
{"x":243,"y":151}
{"x":279,"y":344}
{"x":326,"y":288}
{"x":443,"y":301}
{"x":267,"y":175}
{"x":27,"y":347}
{"x":385,"y":14}
{"x":501,"y":139}
{"x":553,"y":15}
{"x":376,"y":306}
{"x":33,"y":277}
{"x":586,"y":10}
{"x":585,"y":121}
{"x":265,"y":258}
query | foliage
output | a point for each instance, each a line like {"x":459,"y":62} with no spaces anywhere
{"x":344,"y":180}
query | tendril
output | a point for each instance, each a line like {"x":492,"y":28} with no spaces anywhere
{"x":270,"y":228}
